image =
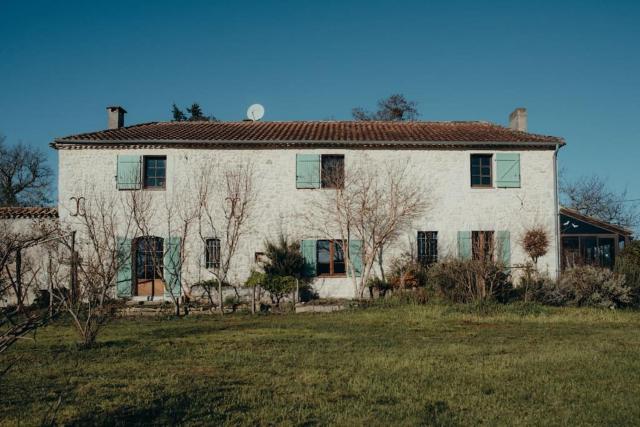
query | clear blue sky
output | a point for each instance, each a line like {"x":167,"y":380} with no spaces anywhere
{"x":575,"y":65}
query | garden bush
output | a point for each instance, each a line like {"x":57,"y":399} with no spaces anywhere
{"x":278,"y":287}
{"x":628,"y":264}
{"x":589,"y":286}
{"x":406,"y":272}
{"x":464,"y":281}
{"x":378,"y":286}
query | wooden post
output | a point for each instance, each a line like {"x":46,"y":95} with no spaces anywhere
{"x":253,"y":300}
{"x":74,"y":269}
{"x":19,"y":278}
{"x":50,"y":288}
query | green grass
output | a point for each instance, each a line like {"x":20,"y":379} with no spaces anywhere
{"x":412,"y":365}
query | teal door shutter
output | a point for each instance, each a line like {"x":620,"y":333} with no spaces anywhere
{"x":123,"y":273}
{"x":508,"y":170}
{"x":355,"y":255}
{"x":464,"y":245}
{"x":307,"y":170}
{"x":129,"y":175}
{"x":504,"y":248}
{"x":308,"y":249}
{"x":172,"y":267}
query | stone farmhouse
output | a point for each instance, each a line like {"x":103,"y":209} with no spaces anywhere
{"x":484,"y":182}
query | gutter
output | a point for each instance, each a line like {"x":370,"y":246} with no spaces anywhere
{"x":556,"y":203}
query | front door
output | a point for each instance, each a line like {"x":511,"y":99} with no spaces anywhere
{"x":149,"y":266}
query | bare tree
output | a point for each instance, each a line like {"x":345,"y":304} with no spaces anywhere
{"x":226,"y":201}
{"x":592,"y":196}
{"x":25,"y":179}
{"x":19,"y":273}
{"x":372,"y":203}
{"x":394,"y":108}
{"x":20,"y":266}
{"x":84,"y":268}
{"x":177,"y":213}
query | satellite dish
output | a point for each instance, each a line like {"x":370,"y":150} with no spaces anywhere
{"x":255,"y":112}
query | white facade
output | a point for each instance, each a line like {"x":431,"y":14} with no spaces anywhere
{"x":281,"y":207}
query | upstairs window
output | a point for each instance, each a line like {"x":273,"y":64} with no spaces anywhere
{"x":319,"y":171}
{"x":481,"y":170}
{"x":155,"y":172}
{"x":330,"y":258}
{"x":427,"y":247}
{"x":332,"y":171}
{"x":212,"y":253}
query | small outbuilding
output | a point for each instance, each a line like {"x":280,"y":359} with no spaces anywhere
{"x":588,"y":240}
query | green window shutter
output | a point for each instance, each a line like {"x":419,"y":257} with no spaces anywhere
{"x":172,"y":267}
{"x":123,"y":274}
{"x":464,"y":245}
{"x":508,"y":170}
{"x":129,"y":176}
{"x":308,"y":249}
{"x":355,"y":255}
{"x":307,"y":170}
{"x":504,"y":248}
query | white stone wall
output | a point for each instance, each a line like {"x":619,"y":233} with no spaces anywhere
{"x":34,"y":258}
{"x":444,"y":174}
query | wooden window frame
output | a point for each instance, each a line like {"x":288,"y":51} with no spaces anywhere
{"x":332,"y":273}
{"x":482,"y":155}
{"x":212,"y":253}
{"x":580,"y":237}
{"x":144,"y":173}
{"x":159,"y":250}
{"x":482,"y":239}
{"x":329,"y":185}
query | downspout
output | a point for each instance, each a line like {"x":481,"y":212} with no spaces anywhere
{"x":556,"y":203}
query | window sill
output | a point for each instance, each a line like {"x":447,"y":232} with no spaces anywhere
{"x":330,"y":276}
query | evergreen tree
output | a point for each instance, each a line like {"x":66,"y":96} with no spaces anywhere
{"x":178,"y":115}
{"x":195,"y":114}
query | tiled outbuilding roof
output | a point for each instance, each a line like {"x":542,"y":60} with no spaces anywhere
{"x":27,"y":212}
{"x":392,"y":133}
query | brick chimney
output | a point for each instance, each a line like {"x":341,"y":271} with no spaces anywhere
{"x":518,"y":119}
{"x":116,"y":116}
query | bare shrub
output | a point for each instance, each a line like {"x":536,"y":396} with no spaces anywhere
{"x":406,"y":272}
{"x":593,"y":286}
{"x":535,"y":242}
{"x":628,"y":264}
{"x":469,"y":280}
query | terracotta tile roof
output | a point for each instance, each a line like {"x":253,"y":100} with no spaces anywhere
{"x":27,"y":212}
{"x":320,"y":131}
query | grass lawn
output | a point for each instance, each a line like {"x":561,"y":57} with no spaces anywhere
{"x":407,"y":365}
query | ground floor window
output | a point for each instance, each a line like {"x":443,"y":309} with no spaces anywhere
{"x":330,"y":258}
{"x":149,"y":266}
{"x":212,"y":253}
{"x":588,"y":250}
{"x":427,"y":247}
{"x":149,"y":257}
{"x":482,"y":245}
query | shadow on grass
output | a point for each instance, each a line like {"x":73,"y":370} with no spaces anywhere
{"x":202,"y":404}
